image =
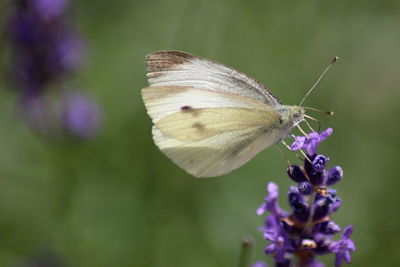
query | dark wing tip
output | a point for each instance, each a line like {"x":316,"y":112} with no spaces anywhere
{"x":166,"y":60}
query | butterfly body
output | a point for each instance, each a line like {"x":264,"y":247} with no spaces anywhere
{"x":209,"y":118}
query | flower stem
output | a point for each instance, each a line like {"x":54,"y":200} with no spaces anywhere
{"x":246,"y":252}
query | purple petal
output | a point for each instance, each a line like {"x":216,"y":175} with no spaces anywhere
{"x":298,"y":143}
{"x":319,"y":163}
{"x":262,"y":209}
{"x":347,"y":232}
{"x":315,"y":263}
{"x":338,"y":260}
{"x":334,"y":175}
{"x":325,"y":134}
{"x":271,"y":203}
{"x":273,"y":191}
{"x":270,"y":249}
{"x":259,"y":264}
{"x":296,"y":174}
{"x":50,"y":9}
{"x":80,"y":115}
{"x":350,"y":245}
{"x":347,"y":256}
{"x":312,"y":147}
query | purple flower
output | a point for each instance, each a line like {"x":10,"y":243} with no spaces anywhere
{"x":298,"y":205}
{"x":311,"y":142}
{"x":259,"y":264}
{"x":279,"y":243}
{"x":44,"y":47}
{"x":305,"y":188}
{"x":298,"y":143}
{"x":327,"y":228}
{"x":343,"y":247}
{"x":324,"y":205}
{"x":46,"y":50}
{"x":80,"y":115}
{"x":50,"y":9}
{"x":319,"y":163}
{"x":308,"y":230}
{"x":315,"y":263}
{"x":271,"y":203}
{"x":334,"y":175}
{"x":296,"y":173}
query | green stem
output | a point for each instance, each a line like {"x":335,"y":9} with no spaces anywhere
{"x":246,"y":252}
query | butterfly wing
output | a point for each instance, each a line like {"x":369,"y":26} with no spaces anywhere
{"x":175,"y":68}
{"x":208,"y":133}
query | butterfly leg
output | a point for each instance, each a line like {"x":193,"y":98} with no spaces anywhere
{"x":284,"y":155}
{"x":297,"y":155}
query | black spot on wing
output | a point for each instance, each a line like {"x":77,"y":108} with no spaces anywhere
{"x":190,"y":110}
{"x":199,"y":126}
{"x":185,"y":108}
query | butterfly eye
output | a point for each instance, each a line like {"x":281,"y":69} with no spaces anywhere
{"x":297,"y":114}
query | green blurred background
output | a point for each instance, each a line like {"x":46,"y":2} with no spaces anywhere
{"x":118,"y":201}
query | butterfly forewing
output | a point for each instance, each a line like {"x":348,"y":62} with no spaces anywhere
{"x":175,"y":68}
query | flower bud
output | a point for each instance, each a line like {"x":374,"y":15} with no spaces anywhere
{"x":296,"y":173}
{"x":319,"y":163}
{"x":305,"y":188}
{"x":334,"y":175}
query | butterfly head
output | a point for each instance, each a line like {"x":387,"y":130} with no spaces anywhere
{"x":296,"y":114}
{"x":290,"y":116}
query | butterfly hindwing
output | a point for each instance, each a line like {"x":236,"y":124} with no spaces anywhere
{"x":208,"y":133}
{"x":216,"y":155}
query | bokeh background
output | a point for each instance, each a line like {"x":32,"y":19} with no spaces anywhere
{"x":116,"y":200}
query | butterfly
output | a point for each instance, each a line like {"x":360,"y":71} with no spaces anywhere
{"x":208,"y":118}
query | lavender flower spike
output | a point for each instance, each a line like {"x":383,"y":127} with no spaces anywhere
{"x":297,"y":238}
{"x":45,"y":51}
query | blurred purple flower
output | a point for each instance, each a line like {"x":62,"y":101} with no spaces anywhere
{"x":308,"y":230}
{"x":259,"y":264}
{"x":80,"y":115}
{"x":46,"y":50}
{"x":50,"y":9}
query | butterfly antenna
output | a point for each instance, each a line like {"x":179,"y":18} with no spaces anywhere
{"x":318,"y":110}
{"x":284,"y":155}
{"x":335,"y":59}
{"x":288,"y":147}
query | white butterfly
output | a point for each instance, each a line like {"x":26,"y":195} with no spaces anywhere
{"x":209,"y":118}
